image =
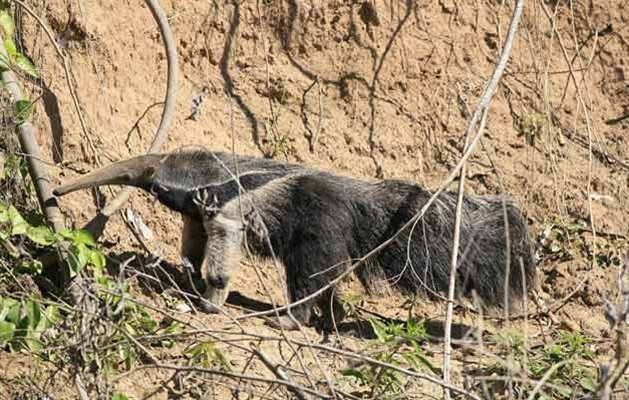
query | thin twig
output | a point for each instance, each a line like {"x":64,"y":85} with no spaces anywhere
{"x":588,"y":122}
{"x":453,"y":267}
{"x":279,"y":372}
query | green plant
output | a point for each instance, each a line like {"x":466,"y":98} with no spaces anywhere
{"x":206,"y":354}
{"x":12,"y":59}
{"x":78,"y":245}
{"x":22,"y":238}
{"x":562,"y":363}
{"x":350,"y":303}
{"x":562,"y":238}
{"x":402,"y":347}
{"x":16,"y":60}
{"x":23,"y":323}
{"x":13,"y":169}
{"x":532,"y":125}
{"x":567,"y":356}
{"x":171,"y":330}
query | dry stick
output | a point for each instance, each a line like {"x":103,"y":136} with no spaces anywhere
{"x":80,"y":387}
{"x":488,"y":93}
{"x":453,"y":266}
{"x":277,"y":371}
{"x":27,"y":135}
{"x":169,"y":102}
{"x":328,"y":349}
{"x":382,"y":364}
{"x":315,"y":135}
{"x":136,"y":125}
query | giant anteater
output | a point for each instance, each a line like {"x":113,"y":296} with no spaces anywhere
{"x":316,"y":222}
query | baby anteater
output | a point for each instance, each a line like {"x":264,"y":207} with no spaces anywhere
{"x":317,"y":222}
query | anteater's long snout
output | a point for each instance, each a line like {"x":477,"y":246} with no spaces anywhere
{"x":137,"y":171}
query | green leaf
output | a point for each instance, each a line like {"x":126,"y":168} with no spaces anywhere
{"x":41,"y":235}
{"x":97,"y":259}
{"x":18,"y":225}
{"x":77,"y":259}
{"x":33,"y":313}
{"x":4,"y":214}
{"x":33,"y":342}
{"x":7,"y":331}
{"x":588,"y":383}
{"x":119,"y":396}
{"x":31,"y":267}
{"x":81,"y":237}
{"x":127,"y":354}
{"x":24,"y":108}
{"x":9,"y":310}
{"x":380,"y":329}
{"x":418,"y":358}
{"x":9,"y":46}
{"x":6,"y":22}
{"x":51,"y":315}
{"x":173,"y":329}
{"x":14,"y":167}
{"x":23,"y":63}
{"x":145,"y":321}
{"x":359,"y":376}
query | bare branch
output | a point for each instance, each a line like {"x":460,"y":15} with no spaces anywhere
{"x":279,"y":372}
{"x":169,"y":101}
{"x":37,"y":170}
{"x":481,"y":109}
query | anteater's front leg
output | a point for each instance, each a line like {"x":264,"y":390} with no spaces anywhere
{"x":223,"y":252}
{"x":193,"y":241}
{"x":306,"y":241}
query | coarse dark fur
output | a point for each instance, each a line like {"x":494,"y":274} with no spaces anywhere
{"x":316,"y":222}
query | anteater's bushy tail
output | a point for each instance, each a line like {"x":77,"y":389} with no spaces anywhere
{"x":493,"y":264}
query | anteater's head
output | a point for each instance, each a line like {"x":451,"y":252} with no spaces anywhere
{"x":137,"y":171}
{"x":172,"y":178}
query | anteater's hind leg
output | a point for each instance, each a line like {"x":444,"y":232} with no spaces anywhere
{"x":332,"y":311}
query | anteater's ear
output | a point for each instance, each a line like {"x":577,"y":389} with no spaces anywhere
{"x":137,"y":171}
